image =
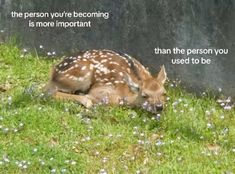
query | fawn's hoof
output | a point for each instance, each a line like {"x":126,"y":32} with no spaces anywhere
{"x":88,"y":103}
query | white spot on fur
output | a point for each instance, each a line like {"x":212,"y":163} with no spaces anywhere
{"x":104,"y":60}
{"x":91,"y":66}
{"x":88,"y":74}
{"x":108,"y":83}
{"x":110,"y":54}
{"x":114,"y":63}
{"x":98,"y":72}
{"x":104,"y":55}
{"x":80,"y":78}
{"x":100,"y":53}
{"x":95,"y":62}
{"x":104,"y":69}
{"x":83,"y":68}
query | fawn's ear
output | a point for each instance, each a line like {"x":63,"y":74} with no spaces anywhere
{"x":134,"y":87}
{"x":162,"y":76}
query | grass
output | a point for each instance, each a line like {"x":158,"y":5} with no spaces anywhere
{"x":41,"y":135}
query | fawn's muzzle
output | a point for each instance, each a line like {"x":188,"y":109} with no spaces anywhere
{"x":159,"y":107}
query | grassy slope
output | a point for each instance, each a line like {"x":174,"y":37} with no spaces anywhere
{"x":39,"y":135}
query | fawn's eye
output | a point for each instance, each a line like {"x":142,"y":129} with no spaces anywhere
{"x":164,"y":93}
{"x":144,"y":95}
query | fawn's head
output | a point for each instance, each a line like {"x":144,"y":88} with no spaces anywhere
{"x":151,"y":91}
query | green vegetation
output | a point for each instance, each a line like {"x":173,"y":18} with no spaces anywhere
{"x":41,"y":135}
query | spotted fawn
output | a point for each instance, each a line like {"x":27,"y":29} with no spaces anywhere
{"x":107,"y":77}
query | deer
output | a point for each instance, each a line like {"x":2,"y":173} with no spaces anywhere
{"x":107,"y":77}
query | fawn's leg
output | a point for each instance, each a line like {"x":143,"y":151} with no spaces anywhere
{"x":82,"y":99}
{"x":112,"y":96}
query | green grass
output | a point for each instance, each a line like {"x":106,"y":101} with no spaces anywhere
{"x":41,"y":135}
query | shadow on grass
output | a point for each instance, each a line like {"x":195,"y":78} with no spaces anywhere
{"x":187,"y":133}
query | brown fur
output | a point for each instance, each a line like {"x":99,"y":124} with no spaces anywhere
{"x":106,"y":77}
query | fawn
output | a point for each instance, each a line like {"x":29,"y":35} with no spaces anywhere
{"x":107,"y":77}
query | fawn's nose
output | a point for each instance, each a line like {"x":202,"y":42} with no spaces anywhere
{"x":159,"y":106}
